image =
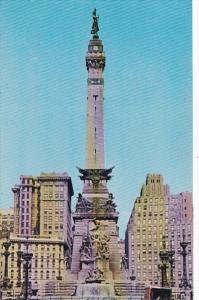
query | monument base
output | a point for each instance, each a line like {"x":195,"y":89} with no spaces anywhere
{"x":93,"y":290}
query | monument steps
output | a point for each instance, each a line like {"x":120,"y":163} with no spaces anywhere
{"x":60,"y":288}
{"x":126,"y":289}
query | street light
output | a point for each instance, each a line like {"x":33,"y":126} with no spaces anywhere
{"x":164,"y":257}
{"x":185,"y":285}
{"x":171,"y":254}
{"x":27,"y":258}
{"x":19,"y":261}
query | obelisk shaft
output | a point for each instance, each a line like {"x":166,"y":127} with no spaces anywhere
{"x":95,"y":62}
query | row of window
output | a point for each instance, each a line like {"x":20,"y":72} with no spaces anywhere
{"x":55,"y":195}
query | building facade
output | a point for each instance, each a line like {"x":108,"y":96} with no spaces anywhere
{"x":158,"y":216}
{"x":47,"y":264}
{"x":42,"y":206}
{"x":6,"y":227}
{"x":181,"y":222}
{"x":6,"y":221}
{"x":147,"y":226}
{"x":42,"y":227}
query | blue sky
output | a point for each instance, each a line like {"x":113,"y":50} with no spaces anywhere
{"x":148,"y":92}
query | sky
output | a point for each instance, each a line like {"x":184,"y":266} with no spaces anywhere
{"x":148,"y":92}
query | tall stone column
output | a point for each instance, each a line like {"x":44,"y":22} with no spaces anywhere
{"x":95,"y":63}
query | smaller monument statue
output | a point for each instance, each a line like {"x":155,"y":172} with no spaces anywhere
{"x":95,"y":26}
{"x":83,"y":205}
{"x":100,"y":241}
{"x":124,"y":262}
{"x":110,"y":206}
{"x":95,"y":275}
{"x":86,"y":249}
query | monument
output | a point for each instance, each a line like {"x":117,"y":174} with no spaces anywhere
{"x":95,"y":269}
{"x":95,"y":260}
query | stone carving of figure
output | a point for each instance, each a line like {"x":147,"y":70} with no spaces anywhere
{"x":86,"y":249}
{"x":95,"y":275}
{"x":67,"y":262}
{"x":100,"y":242}
{"x":95,"y":26}
{"x":83,"y":204}
{"x":110,"y":205}
{"x":124,"y":262}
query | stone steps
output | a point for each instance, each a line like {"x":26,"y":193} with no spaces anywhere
{"x":126,"y":289}
{"x":61,"y":288}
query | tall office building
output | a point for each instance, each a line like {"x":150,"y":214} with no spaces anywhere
{"x":42,"y":206}
{"x":157,"y":213}
{"x":42,"y":226}
{"x":147,"y":226}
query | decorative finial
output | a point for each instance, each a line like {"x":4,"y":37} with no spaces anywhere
{"x":95,"y":26}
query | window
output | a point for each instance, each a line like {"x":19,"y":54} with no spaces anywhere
{"x":41,"y":274}
{"x":47,"y":274}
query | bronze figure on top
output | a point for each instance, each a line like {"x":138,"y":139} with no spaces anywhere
{"x":95,"y":26}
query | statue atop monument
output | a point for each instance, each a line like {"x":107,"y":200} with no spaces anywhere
{"x":95,"y":26}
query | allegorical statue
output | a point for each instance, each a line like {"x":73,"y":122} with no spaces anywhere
{"x":124,"y":263}
{"x":95,"y":26}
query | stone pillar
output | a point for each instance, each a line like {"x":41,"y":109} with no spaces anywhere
{"x":95,"y":62}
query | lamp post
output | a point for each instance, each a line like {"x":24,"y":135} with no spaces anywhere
{"x":164,"y":257}
{"x":171,"y":254}
{"x":5,"y":285}
{"x":184,"y":280}
{"x":19,"y":261}
{"x":27,"y":258}
{"x":6,"y":280}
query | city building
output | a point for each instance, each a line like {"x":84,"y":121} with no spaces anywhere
{"x":6,"y":227}
{"x":42,"y":206}
{"x":6,"y":221}
{"x":47,"y":264}
{"x":43,"y":228}
{"x":181,"y":221}
{"x":158,"y":216}
{"x":146,"y":229}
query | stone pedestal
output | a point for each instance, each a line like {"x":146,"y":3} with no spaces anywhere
{"x":93,"y":290}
